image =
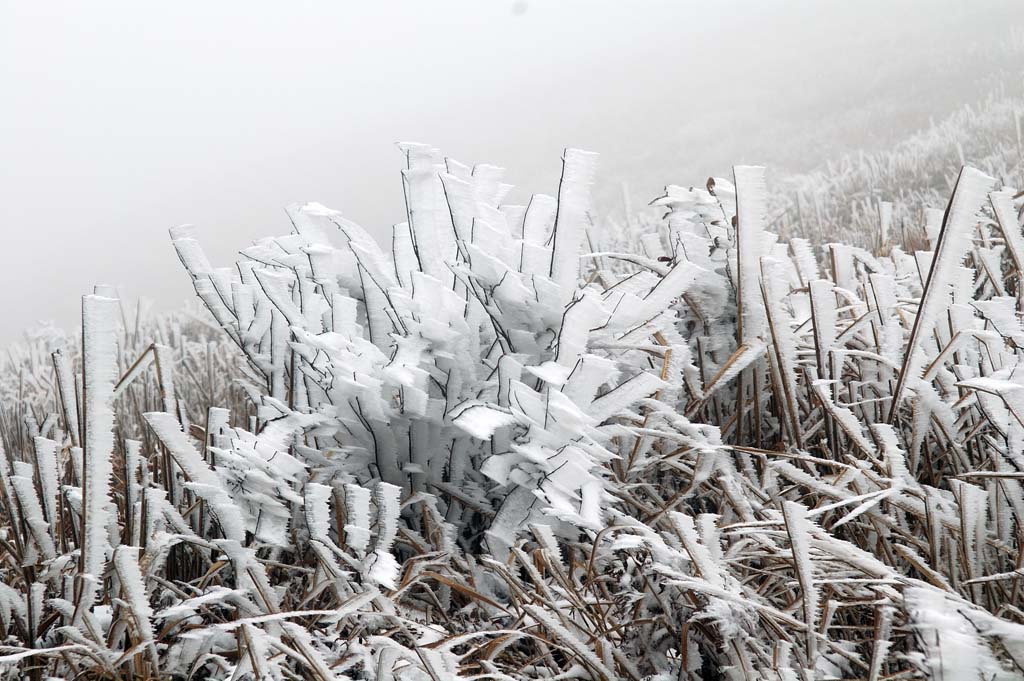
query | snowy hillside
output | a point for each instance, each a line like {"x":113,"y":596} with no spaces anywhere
{"x":844,"y":200}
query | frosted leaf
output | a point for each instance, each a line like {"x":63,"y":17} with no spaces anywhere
{"x":482,"y":420}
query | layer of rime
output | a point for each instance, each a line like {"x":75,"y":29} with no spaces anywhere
{"x":513,"y":443}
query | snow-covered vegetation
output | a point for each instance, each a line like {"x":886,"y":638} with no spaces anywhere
{"x":863,"y":199}
{"x":492,"y":450}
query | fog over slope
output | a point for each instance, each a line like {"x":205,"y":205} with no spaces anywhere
{"x":130,"y":119}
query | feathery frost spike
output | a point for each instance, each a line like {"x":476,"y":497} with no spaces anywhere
{"x":46,"y":465}
{"x":751,"y":214}
{"x":799,"y":529}
{"x":383,"y":568}
{"x":806,"y":264}
{"x":126,"y":561}
{"x":68,"y":396}
{"x":700,"y":554}
{"x":954,"y":242}
{"x":573,"y":216}
{"x":32,"y":515}
{"x":357,"y":529}
{"x":824,"y":319}
{"x":317,"y":511}
{"x":1006,"y":215}
{"x":99,"y":341}
{"x":784,"y":344}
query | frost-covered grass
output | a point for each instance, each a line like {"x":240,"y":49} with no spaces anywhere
{"x":488,"y":451}
{"x":861,"y":199}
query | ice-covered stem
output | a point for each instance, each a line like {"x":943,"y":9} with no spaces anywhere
{"x":751,"y":211}
{"x":135,"y":596}
{"x":99,"y":361}
{"x":68,"y":398}
{"x":958,"y":223}
{"x":571,"y":220}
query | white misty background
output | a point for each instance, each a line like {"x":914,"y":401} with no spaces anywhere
{"x":122,"y":119}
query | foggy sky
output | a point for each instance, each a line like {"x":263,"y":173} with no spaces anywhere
{"x":120,"y":120}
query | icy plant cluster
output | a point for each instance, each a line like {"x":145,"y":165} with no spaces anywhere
{"x":488,"y":452}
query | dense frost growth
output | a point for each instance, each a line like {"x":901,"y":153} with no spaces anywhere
{"x":897,"y":192}
{"x":489,"y":450}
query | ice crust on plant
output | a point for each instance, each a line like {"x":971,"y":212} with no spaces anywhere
{"x":496,"y":449}
{"x":455,"y":362}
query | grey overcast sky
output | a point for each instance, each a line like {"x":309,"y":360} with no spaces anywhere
{"x":121,"y":119}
